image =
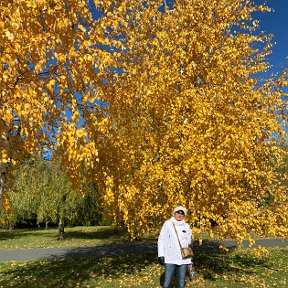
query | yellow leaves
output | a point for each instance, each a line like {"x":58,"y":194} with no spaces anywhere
{"x":99,"y":34}
{"x":50,"y":85}
{"x":61,"y":57}
{"x":86,"y":43}
{"x":10,"y":35}
{"x":75,"y":116}
{"x":26,"y":106}
{"x":106,"y":59}
{"x":40,"y":2}
{"x":259,"y":251}
{"x":7,"y":117}
{"x":31,"y":4}
{"x":6,"y":203}
{"x":88,"y":58}
{"x":58,"y":6}
{"x":4,"y":157}
{"x":81,"y":133}
{"x":5,"y":77}
{"x":82,"y":28}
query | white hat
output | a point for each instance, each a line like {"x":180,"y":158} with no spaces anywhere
{"x":178,"y":208}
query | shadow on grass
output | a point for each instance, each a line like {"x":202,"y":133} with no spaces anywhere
{"x":212,"y":264}
{"x":72,"y":272}
{"x":20,"y":233}
{"x":115,"y":234}
{"x":99,"y":233}
{"x":109,"y":250}
{"x":78,"y":272}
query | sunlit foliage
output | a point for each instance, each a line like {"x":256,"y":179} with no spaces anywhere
{"x":48,"y":56}
{"x":190,"y":122}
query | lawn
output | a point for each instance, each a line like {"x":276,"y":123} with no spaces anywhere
{"x":237,"y":269}
{"x":74,"y":237}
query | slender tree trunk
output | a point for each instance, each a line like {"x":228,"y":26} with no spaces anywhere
{"x":4,"y":147}
{"x":61,"y":231}
{"x":46,"y":224}
{"x":2,"y":184}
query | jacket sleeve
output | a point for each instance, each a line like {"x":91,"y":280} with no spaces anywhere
{"x":162,"y":239}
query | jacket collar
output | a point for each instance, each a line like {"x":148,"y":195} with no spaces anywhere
{"x":177,"y":223}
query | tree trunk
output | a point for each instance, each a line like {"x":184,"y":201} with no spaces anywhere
{"x":4,"y":148}
{"x":2,"y":184}
{"x":61,"y":231}
{"x":46,"y":224}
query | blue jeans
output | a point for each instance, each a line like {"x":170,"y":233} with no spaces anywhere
{"x":180,"y":275}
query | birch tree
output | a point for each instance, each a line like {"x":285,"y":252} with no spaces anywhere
{"x":160,"y":105}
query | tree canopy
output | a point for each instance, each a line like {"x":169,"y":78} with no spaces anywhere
{"x":40,"y":189}
{"x":160,"y":105}
{"x":42,"y":192}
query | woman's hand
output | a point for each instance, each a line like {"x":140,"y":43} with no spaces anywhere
{"x":161,"y":260}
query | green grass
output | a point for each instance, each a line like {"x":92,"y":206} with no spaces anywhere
{"x":74,"y":237}
{"x":242,"y":268}
{"x":236,"y":269}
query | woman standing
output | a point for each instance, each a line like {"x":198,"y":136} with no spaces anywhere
{"x":169,"y":252}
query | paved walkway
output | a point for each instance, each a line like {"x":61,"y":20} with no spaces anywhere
{"x":7,"y":255}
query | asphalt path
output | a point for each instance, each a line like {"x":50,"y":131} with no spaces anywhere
{"x":18,"y":255}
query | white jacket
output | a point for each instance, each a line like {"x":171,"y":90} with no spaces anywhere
{"x":168,"y":245}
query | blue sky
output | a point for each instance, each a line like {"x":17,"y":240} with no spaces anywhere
{"x":276,"y":23}
{"x":273,"y":22}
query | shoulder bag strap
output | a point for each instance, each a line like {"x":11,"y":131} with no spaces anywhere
{"x":177,"y":236}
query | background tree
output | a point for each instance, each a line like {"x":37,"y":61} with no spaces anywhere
{"x":40,"y":190}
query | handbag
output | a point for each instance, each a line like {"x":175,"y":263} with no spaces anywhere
{"x":185,"y":252}
{"x":191,"y":273}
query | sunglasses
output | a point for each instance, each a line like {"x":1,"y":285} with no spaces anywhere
{"x":180,"y":212}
